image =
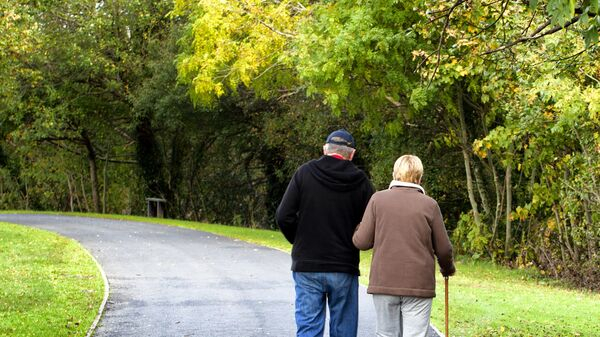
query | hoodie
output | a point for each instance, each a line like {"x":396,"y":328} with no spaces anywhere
{"x":323,"y":204}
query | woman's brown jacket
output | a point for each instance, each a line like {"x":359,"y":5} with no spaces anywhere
{"x":406,"y":230}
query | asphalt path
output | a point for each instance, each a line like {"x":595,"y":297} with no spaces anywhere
{"x":170,"y":281}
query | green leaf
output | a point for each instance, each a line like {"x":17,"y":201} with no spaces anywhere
{"x":561,"y":11}
{"x":533,"y":4}
{"x":590,"y":36}
{"x":419,"y":98}
{"x":594,"y":4}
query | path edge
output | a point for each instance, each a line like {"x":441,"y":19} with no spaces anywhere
{"x":94,"y":325}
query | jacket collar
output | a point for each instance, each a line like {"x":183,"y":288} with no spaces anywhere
{"x":397,"y":183}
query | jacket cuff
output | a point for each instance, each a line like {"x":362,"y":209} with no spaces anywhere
{"x":448,"y":271}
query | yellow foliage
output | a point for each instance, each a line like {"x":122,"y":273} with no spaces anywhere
{"x":592,"y":97}
{"x":480,"y":149}
{"x":551,"y":224}
{"x":419,"y":53}
{"x":235,"y":43}
{"x":522,"y":213}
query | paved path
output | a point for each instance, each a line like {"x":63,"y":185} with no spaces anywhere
{"x":169,"y":281}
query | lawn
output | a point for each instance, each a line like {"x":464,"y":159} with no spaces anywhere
{"x":49,"y":285}
{"x":486,"y":300}
{"x":489,"y":300}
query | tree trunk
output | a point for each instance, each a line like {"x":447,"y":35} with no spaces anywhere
{"x":93,"y":171}
{"x":26,"y":197}
{"x":85,"y":198}
{"x":575,"y":223}
{"x":104,"y":186}
{"x":71,"y":198}
{"x":481,"y":189}
{"x":276,"y":185}
{"x":73,"y":181}
{"x":508,"y":181}
{"x":150,"y":159}
{"x":499,"y":187}
{"x":591,"y":242}
{"x":547,"y":257}
{"x":466,"y":155}
{"x":560,"y":234}
{"x":251,"y":208}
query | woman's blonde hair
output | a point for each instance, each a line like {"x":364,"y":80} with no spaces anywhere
{"x":408,"y":168}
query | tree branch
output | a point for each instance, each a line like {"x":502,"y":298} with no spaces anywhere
{"x":123,"y":133}
{"x":439,"y":49}
{"x":536,"y":35}
{"x":266,"y":70}
{"x":61,"y":146}
{"x":393,"y":101}
{"x":288,"y":35}
{"x":590,"y":76}
{"x":290,"y":93}
{"x":504,"y":6}
{"x":529,"y":24}
{"x":563,"y":58}
{"x":117,"y":161}
{"x":541,"y":27}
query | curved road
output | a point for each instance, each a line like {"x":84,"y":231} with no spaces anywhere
{"x":170,"y":281}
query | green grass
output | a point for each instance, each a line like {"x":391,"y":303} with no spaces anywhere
{"x":490,"y":300}
{"x":486,"y":300}
{"x":49,"y":286}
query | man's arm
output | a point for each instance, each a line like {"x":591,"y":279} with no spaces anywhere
{"x":287,"y":212}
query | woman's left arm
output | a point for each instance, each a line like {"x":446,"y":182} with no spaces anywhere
{"x":441,"y":243}
{"x":364,"y":235}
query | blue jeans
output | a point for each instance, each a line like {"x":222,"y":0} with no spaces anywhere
{"x":316,"y":290}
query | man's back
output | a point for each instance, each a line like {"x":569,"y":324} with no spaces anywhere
{"x":323,"y":204}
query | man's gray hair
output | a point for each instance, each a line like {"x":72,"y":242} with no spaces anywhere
{"x":342,"y":150}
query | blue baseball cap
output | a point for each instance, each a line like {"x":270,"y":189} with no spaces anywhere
{"x":340,"y":137}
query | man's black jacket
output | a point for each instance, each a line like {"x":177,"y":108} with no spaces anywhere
{"x":320,"y":209}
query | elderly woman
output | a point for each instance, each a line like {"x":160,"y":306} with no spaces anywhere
{"x":406,"y":230}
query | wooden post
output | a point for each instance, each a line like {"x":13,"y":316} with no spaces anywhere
{"x":446,"y":302}
{"x":159,"y":210}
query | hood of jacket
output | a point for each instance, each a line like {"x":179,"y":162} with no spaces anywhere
{"x":339,"y":175}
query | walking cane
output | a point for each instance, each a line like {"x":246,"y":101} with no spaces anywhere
{"x":446,"y":300}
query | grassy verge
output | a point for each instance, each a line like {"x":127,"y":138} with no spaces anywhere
{"x":490,"y":300}
{"x":49,"y":286}
{"x":485,"y":300}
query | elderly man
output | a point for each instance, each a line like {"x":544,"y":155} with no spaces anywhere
{"x":321,"y":207}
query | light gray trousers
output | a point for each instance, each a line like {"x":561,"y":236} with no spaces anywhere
{"x":402,"y":316}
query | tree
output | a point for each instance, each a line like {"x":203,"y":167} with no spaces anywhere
{"x":75,"y":96}
{"x":402,"y":64}
{"x":231,"y":44}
